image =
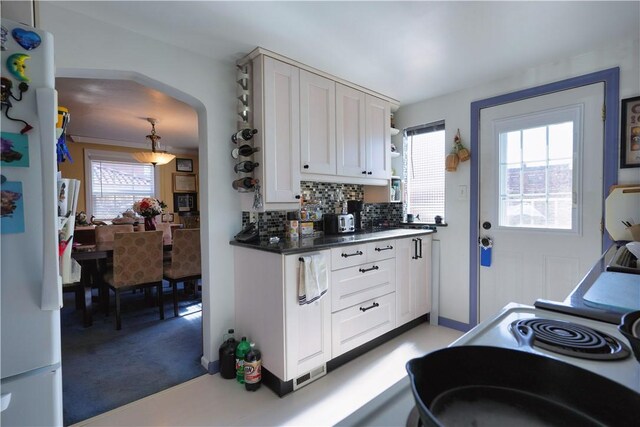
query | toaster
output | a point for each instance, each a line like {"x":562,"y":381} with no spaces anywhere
{"x":338,"y":223}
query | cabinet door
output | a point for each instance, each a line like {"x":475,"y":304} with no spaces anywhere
{"x":405,"y":307}
{"x":281,"y":88}
{"x":378,"y":138}
{"x":317,"y":124}
{"x":308,"y":327}
{"x":350,"y":131}
{"x":421,"y":277}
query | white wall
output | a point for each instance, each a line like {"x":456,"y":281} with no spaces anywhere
{"x":90,"y":48}
{"x":455,"y":110}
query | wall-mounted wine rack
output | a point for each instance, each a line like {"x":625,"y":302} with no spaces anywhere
{"x":242,"y":139}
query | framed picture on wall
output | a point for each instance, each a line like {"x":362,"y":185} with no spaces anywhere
{"x":630,"y":137}
{"x":184,"y":165}
{"x":185,"y":183}
{"x":185,"y":202}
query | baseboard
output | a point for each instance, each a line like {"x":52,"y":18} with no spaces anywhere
{"x":211,"y":367}
{"x":359,"y":351}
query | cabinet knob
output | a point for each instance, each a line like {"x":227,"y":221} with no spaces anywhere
{"x":298,"y":196}
{"x":306,"y":166}
{"x":364,"y":172}
{"x":369,"y":173}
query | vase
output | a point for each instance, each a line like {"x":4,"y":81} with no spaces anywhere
{"x":150,"y":223}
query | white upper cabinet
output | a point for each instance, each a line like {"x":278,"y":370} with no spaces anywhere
{"x":350,"y":132}
{"x":281,"y":131}
{"x":317,"y":124}
{"x":363,"y":134}
{"x":378,"y":137}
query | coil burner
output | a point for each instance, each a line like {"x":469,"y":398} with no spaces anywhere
{"x":574,"y":340}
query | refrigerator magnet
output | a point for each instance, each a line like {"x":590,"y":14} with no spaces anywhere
{"x":17,"y":66}
{"x":12,"y":208}
{"x":7,"y":95}
{"x":3,"y":37}
{"x":15,"y":150}
{"x":29,"y":40}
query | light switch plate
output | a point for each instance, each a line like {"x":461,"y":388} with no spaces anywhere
{"x":463,"y":192}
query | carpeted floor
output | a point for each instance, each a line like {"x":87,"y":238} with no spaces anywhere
{"x":103,"y":369}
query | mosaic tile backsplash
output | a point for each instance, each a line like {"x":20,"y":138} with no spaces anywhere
{"x":329,"y":196}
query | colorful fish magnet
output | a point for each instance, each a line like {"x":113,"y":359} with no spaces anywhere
{"x":3,"y":37}
{"x":17,"y":67}
{"x":29,"y":40}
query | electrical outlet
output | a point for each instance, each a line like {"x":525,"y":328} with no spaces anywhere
{"x":463,"y":192}
{"x":253,"y":216}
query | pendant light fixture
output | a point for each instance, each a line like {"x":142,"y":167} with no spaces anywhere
{"x":154,"y":157}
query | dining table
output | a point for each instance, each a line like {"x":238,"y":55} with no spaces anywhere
{"x":93,"y":260}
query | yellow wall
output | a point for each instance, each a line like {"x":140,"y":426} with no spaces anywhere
{"x":76,"y":170}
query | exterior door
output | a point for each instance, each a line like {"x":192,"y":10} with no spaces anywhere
{"x":540,"y":196}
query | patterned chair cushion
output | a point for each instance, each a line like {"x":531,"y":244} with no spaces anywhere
{"x":137,"y":258}
{"x":185,"y":255}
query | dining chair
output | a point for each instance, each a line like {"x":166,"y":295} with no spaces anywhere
{"x":105,"y":233}
{"x":165,"y":227}
{"x":137,"y":263}
{"x":185,"y":261}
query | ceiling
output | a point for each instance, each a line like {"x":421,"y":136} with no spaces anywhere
{"x":409,"y":51}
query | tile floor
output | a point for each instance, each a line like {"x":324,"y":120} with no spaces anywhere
{"x":210,"y":400}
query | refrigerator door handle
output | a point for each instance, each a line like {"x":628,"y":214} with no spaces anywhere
{"x":47,"y":110}
{"x":5,"y":400}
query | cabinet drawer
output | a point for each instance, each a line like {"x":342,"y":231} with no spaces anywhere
{"x":353,"y":285}
{"x":361,"y":323}
{"x":348,"y":256}
{"x":384,"y":249}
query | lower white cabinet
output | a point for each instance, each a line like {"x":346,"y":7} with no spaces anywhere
{"x":413,"y":278}
{"x":362,"y":322}
{"x":373,"y":288}
{"x":294,"y":339}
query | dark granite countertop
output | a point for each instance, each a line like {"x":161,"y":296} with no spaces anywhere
{"x":309,"y":244}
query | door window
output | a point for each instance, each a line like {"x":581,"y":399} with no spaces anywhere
{"x":538,"y":169}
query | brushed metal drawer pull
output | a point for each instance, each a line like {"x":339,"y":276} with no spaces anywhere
{"x":353,"y":254}
{"x":364,"y":270}
{"x":374,"y":305}
{"x":384,"y":249}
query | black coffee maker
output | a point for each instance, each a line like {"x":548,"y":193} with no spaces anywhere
{"x":356,"y":207}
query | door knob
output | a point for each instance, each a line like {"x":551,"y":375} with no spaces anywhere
{"x":486,"y":225}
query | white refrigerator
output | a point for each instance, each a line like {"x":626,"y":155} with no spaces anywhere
{"x":30,"y":287}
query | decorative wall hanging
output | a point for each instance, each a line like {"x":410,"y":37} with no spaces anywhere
{"x":463,"y":153}
{"x":184,"y":165}
{"x":15,"y":150}
{"x":7,"y":95}
{"x":12,"y":209}
{"x":17,"y":67}
{"x":185,"y":183}
{"x":29,"y":40}
{"x":630,"y":133}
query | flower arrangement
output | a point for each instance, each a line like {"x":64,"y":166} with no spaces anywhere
{"x":149,"y":207}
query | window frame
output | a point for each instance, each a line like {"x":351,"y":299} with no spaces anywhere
{"x":422,"y":129}
{"x":113,"y":156}
{"x":573,"y":113}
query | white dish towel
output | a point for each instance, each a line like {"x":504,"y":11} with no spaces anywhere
{"x":314,"y":279}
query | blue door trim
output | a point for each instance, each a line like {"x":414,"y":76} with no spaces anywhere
{"x":611,"y":79}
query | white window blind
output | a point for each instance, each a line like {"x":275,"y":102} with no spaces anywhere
{"x":426,"y":171}
{"x":116,"y":185}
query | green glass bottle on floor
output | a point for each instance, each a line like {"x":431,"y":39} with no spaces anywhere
{"x":241,"y":351}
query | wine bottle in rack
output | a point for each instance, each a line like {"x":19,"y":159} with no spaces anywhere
{"x":246,"y":183}
{"x":244,"y":150}
{"x":246,"y":166}
{"x":243,"y":135}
